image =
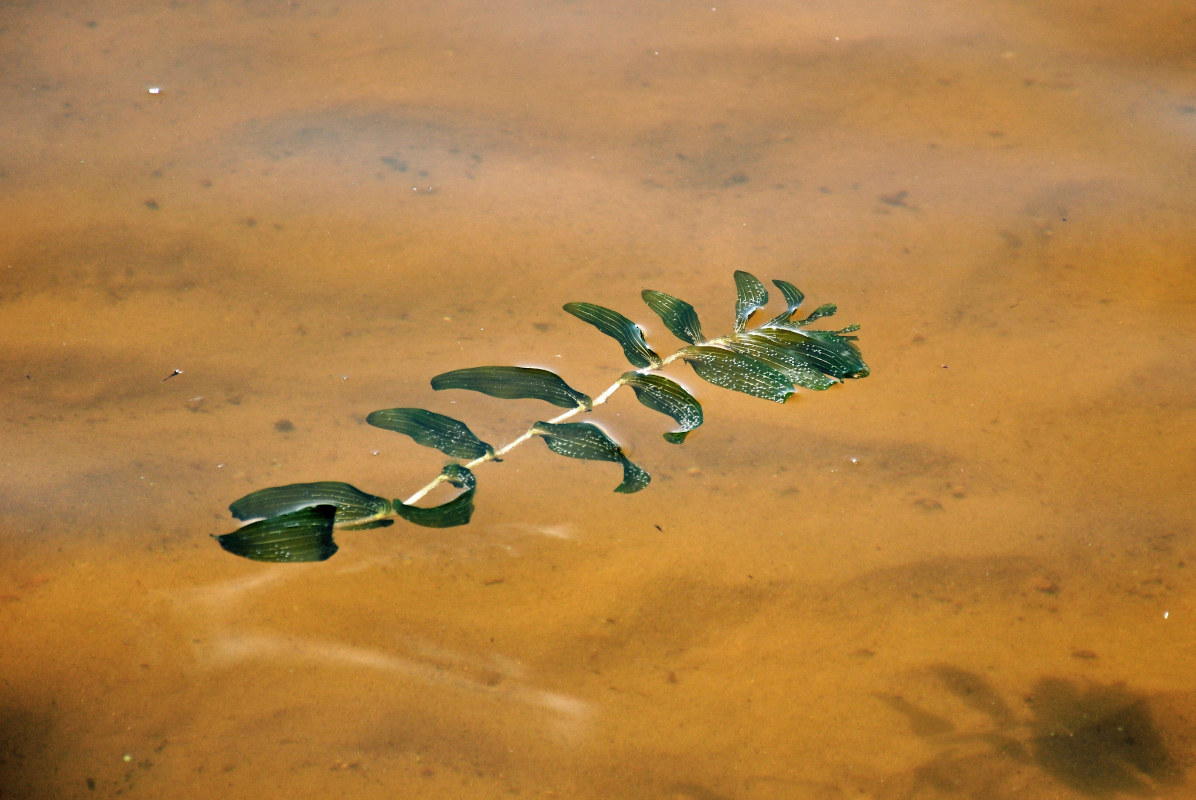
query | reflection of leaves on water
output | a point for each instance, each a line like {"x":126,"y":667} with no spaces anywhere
{"x":1098,"y":741}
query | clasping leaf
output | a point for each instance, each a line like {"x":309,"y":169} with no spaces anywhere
{"x":829,"y":351}
{"x":824,"y":310}
{"x":353,"y":507}
{"x":752,"y":296}
{"x":793,"y":299}
{"x":446,"y":515}
{"x":668,"y":397}
{"x":763,"y":346}
{"x":449,"y":436}
{"x":303,"y":535}
{"x":731,"y":370}
{"x":584,"y":440}
{"x":512,"y":383}
{"x":620,"y":328}
{"x":677,"y":315}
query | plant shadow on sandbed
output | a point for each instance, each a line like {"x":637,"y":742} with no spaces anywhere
{"x":1099,"y":740}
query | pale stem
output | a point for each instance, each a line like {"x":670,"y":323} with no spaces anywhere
{"x":509,"y":446}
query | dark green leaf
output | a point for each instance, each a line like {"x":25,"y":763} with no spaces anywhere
{"x":829,"y":351}
{"x":762,"y":345}
{"x":824,"y":310}
{"x":511,"y":383}
{"x":793,"y":299}
{"x":446,"y":434}
{"x":352,"y":504}
{"x":678,"y":316}
{"x":793,"y":296}
{"x":752,"y":296}
{"x":584,"y":440}
{"x":303,"y":535}
{"x":668,"y":397}
{"x":731,"y":370}
{"x":446,"y":515}
{"x":620,"y":328}
{"x":841,"y":356}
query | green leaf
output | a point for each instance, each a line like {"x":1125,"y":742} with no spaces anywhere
{"x":446,"y":515}
{"x":841,"y":356}
{"x":430,"y":429}
{"x":762,"y":345}
{"x":352,"y":504}
{"x":668,"y":397}
{"x":512,"y":383}
{"x":793,"y":296}
{"x":677,"y":315}
{"x":731,"y":370}
{"x":620,"y":328}
{"x":793,"y":299}
{"x":829,"y":351}
{"x":752,"y":296}
{"x":584,"y":440}
{"x":303,"y":535}
{"x":824,"y":310}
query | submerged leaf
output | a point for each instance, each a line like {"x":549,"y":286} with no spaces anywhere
{"x":584,"y":440}
{"x":761,"y":345}
{"x":668,"y":397}
{"x":620,"y":328}
{"x":512,"y":383}
{"x":449,"y":436}
{"x":824,"y":310}
{"x":752,"y":296}
{"x":446,"y":515}
{"x":352,"y":505}
{"x":677,"y":315}
{"x":829,"y":351}
{"x":793,"y":296}
{"x":741,"y":373}
{"x":793,"y":299}
{"x":303,"y":535}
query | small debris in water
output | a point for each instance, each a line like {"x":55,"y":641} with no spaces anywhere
{"x":1046,"y":585}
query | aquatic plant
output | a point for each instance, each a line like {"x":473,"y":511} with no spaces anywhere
{"x":296,"y":522}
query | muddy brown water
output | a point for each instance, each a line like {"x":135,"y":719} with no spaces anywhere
{"x":968,"y":576}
